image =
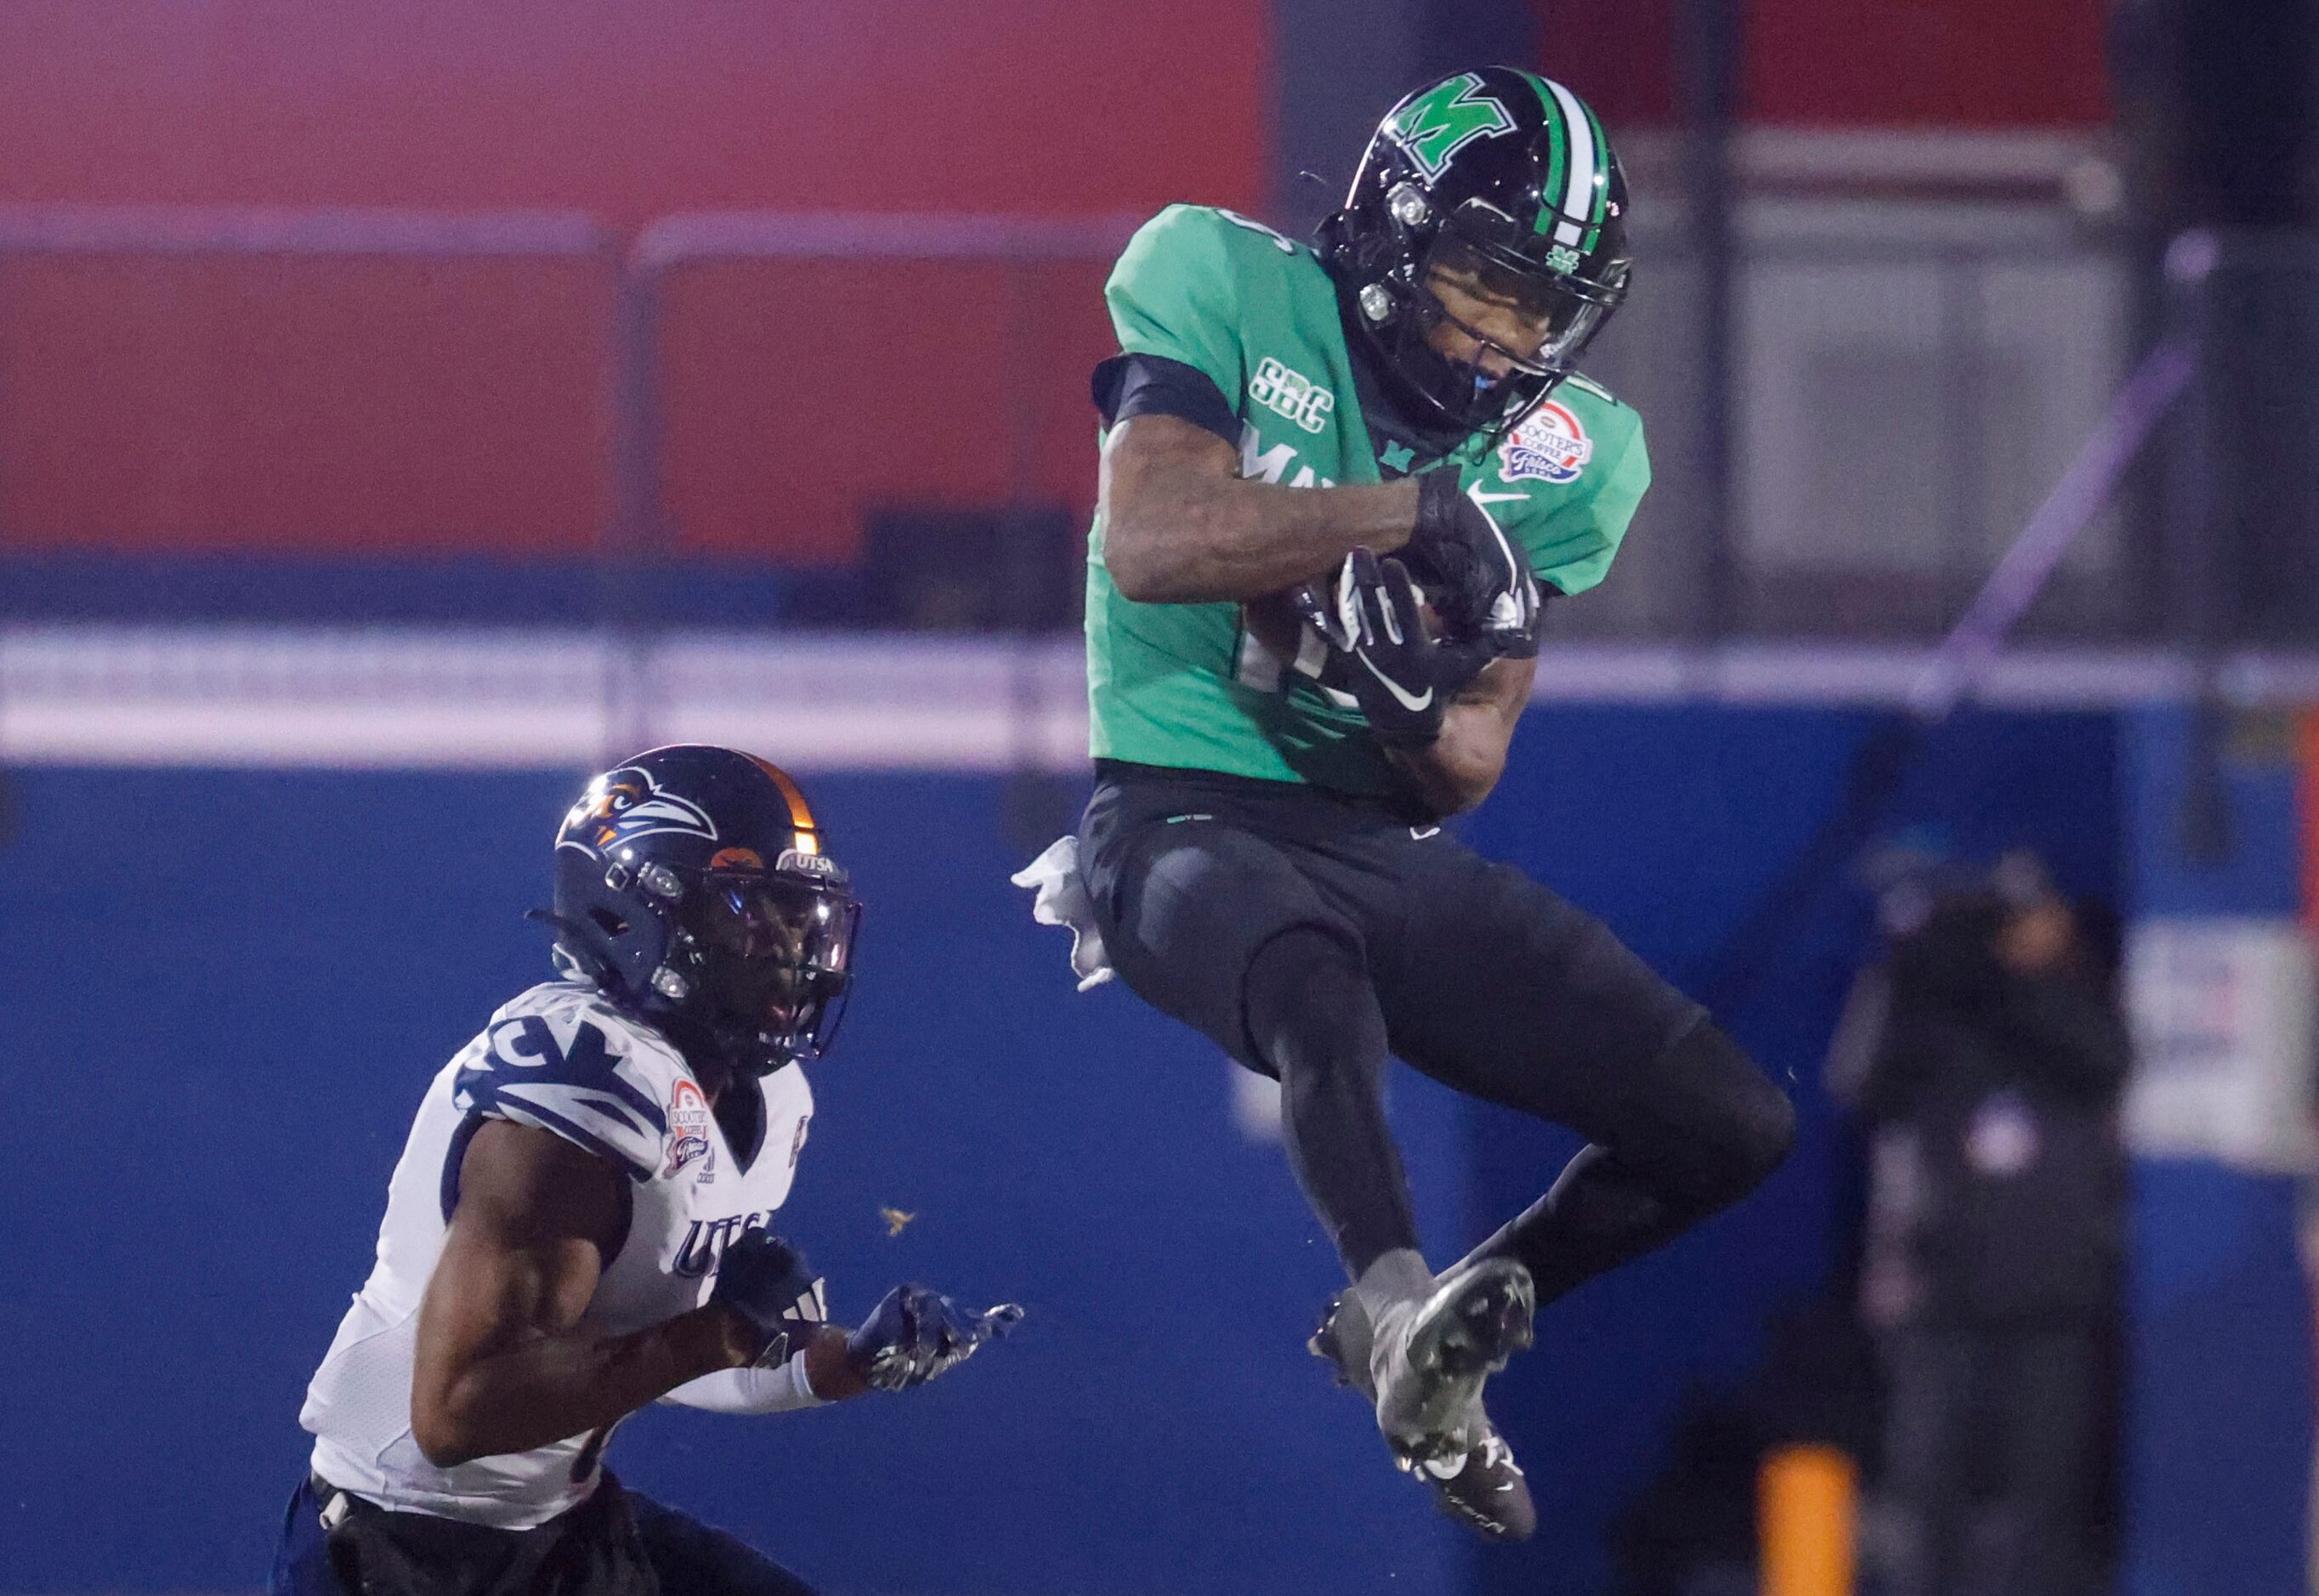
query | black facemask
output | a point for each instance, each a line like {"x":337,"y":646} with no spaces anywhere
{"x":771,"y":959}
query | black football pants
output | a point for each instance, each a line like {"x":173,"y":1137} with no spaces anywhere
{"x":1312,"y":934}
{"x":615,"y":1542}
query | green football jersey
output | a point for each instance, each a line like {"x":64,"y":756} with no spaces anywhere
{"x":1187,"y":685}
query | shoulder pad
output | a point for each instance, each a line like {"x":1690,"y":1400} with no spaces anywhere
{"x":1586,"y":384}
{"x":562,"y":1059}
{"x":1224,"y":240}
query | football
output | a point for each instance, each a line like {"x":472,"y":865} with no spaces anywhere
{"x":1274,"y":622}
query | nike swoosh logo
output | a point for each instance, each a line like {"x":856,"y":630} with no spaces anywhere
{"x":1417,"y":705}
{"x":1505,"y":549}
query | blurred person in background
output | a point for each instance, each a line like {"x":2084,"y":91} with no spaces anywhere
{"x":581,"y":1221}
{"x":1985,"y":1054}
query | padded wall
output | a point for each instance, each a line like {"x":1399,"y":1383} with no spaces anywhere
{"x":226,"y":990}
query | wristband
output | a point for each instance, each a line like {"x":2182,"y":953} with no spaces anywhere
{"x":801,"y":1383}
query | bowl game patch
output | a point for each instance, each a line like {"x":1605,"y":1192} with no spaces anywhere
{"x":1548,"y":446}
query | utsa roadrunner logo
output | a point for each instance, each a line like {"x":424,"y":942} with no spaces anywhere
{"x":566,"y":1047}
{"x":623,"y":804}
{"x":1454,"y":114}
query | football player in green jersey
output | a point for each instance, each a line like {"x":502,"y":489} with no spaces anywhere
{"x":1336,"y":486}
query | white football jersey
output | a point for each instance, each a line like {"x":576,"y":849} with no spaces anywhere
{"x":563,"y":1059}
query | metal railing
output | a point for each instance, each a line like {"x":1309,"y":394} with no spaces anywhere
{"x":1906,"y":401}
{"x":1020,"y":246}
{"x":1902,"y":404}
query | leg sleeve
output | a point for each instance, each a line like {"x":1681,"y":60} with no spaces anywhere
{"x":1314,"y":1019}
{"x":1502,"y":988}
{"x":1220,"y":928}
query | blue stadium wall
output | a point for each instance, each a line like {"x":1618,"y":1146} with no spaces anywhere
{"x":227,"y":989}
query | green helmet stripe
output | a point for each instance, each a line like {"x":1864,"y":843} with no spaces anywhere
{"x":1557,"y":145}
{"x":1573,"y":197}
{"x":1601,"y":197}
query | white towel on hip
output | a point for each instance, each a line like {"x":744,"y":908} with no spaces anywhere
{"x":1062,"y":899}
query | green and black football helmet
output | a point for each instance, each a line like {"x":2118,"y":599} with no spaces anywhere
{"x":1498,"y":176}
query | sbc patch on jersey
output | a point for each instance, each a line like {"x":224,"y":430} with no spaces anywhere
{"x":1291,"y":394}
{"x":1549,"y":445}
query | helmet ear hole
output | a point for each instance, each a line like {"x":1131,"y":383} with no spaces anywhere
{"x":608,"y":923}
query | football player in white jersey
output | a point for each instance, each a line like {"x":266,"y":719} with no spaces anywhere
{"x":580,"y":1222}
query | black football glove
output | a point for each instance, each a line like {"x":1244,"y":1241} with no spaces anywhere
{"x":768,"y":1284}
{"x":1481,"y":576}
{"x":1403,"y":678}
{"x":917,"y":1333}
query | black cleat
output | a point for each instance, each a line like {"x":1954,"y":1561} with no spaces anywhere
{"x":1481,"y":1487}
{"x":1472,"y":1472}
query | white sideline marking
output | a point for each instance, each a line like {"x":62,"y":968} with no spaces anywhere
{"x":357,"y":699}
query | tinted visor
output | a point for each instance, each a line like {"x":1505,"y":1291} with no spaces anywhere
{"x":775,"y":955}
{"x":1536,"y":321}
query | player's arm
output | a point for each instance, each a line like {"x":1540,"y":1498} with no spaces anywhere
{"x":1455,"y":771}
{"x":1443,"y":711}
{"x":1182,"y":526}
{"x":503,"y":1363}
{"x":822,"y":1373}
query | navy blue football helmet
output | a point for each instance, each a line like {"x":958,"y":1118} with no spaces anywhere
{"x":692,"y":886}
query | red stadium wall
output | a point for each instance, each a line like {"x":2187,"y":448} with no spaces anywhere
{"x":375,"y":406}
{"x":1852,"y":63}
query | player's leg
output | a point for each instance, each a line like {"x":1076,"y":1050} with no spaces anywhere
{"x":1426,"y":1344}
{"x":336,"y":1544}
{"x":1506,"y":990}
{"x":1210,"y":923}
{"x":1213,"y":921}
{"x":692,"y":1556}
{"x":1313,"y":1024}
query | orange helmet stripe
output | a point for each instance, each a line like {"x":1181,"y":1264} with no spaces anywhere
{"x":801,"y":820}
